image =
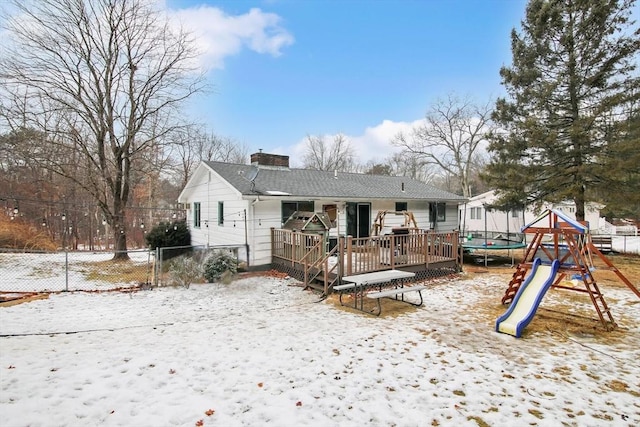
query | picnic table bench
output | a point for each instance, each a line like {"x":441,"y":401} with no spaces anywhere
{"x":360,"y":284}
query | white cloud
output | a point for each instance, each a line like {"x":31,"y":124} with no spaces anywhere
{"x":374,"y":143}
{"x":219,"y":35}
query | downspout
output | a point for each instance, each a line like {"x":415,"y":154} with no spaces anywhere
{"x":464,"y":219}
{"x":208,"y":207}
{"x":246,"y":236}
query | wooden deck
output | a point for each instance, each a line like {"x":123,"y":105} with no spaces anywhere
{"x":305,"y":256}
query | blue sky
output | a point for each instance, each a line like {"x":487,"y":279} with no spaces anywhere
{"x":284,"y":69}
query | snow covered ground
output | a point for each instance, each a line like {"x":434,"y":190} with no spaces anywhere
{"x":263,"y":352}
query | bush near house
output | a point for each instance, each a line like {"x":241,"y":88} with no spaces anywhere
{"x":184,"y":271}
{"x":219,"y":265}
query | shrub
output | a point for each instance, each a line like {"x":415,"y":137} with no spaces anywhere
{"x":18,"y":234}
{"x":184,"y":271}
{"x":168,"y":235}
{"x":218,"y":265}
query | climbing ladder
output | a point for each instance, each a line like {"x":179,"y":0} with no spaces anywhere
{"x":579,"y":250}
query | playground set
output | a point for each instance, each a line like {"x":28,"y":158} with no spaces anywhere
{"x":561,"y":249}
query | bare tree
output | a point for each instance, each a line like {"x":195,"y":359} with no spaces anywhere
{"x":193,"y":145}
{"x":103,"y":80}
{"x":450,"y":137}
{"x":328,"y":156}
{"x":413,"y":166}
{"x":373,"y":167}
{"x":224,"y":149}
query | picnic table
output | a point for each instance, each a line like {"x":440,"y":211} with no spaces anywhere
{"x":362,"y":285}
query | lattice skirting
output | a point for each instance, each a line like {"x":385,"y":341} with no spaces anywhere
{"x":434,"y":273}
{"x":294,"y":271}
{"x":443,"y":269}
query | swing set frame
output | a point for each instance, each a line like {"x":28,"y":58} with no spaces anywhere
{"x":556,"y":236}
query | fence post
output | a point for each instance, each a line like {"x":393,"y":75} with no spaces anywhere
{"x":157,"y":268}
{"x":66,"y":270}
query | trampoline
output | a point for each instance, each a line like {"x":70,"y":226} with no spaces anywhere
{"x":493,"y":241}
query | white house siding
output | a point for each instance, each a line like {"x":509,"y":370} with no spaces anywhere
{"x":208,"y":191}
{"x":265,"y":215}
{"x":420,"y":210}
{"x":451,"y":219}
{"x":513,"y":221}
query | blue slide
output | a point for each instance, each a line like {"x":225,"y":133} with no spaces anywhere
{"x":527,"y":299}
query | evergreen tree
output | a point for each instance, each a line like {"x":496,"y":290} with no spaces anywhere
{"x":572,"y":75}
{"x":174,"y":237}
{"x":621,"y":164}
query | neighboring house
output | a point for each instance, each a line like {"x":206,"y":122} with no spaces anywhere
{"x":234,"y":204}
{"x":619,"y":226}
{"x":476,"y":214}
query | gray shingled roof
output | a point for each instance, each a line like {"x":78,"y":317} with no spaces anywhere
{"x":309,"y":183}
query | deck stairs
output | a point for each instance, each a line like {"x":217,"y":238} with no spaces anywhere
{"x":321,"y":274}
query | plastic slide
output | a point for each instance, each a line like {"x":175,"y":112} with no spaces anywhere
{"x":527,"y":299}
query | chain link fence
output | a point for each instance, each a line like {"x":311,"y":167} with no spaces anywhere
{"x":33,"y":271}
{"x":40,"y":271}
{"x":166,"y":256}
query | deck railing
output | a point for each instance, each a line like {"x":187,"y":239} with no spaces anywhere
{"x":296,"y":247}
{"x":418,"y":247}
{"x":363,"y":255}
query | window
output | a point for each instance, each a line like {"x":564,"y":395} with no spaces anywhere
{"x":476,"y":213}
{"x":472,"y":213}
{"x":516,"y":213}
{"x":288,"y":208}
{"x":401,"y":206}
{"x":220,"y":213}
{"x":196,"y":214}
{"x":437,"y":212}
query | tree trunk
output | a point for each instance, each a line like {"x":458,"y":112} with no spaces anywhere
{"x":120,"y":245}
{"x":580,"y":203}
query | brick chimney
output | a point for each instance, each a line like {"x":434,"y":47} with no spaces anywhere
{"x":265,"y":159}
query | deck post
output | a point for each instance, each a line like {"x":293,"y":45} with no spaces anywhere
{"x":349,"y":255}
{"x":392,"y":251}
{"x":425,"y":248}
{"x":341,"y":242}
{"x":273,"y":245}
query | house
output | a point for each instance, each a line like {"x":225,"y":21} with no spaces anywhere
{"x":478,"y":216}
{"x":237,"y":204}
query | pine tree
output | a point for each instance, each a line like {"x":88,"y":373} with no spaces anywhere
{"x":571,"y":79}
{"x":621,"y":165}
